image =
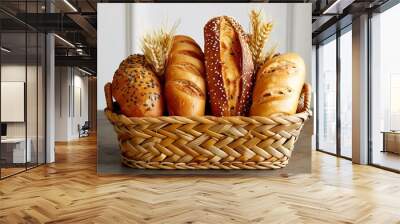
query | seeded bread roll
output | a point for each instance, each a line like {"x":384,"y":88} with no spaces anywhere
{"x":137,"y":89}
{"x":278,"y":86}
{"x":229,"y":67}
{"x":185,"y":88}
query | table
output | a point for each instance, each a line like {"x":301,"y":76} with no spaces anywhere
{"x":391,"y":141}
{"x":16,"y":147}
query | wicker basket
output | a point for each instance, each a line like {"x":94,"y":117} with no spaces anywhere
{"x":173,"y":142}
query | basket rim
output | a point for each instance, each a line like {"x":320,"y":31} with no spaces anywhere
{"x":117,"y":119}
{"x":304,"y":107}
{"x":308,"y":112}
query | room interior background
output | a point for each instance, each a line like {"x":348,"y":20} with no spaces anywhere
{"x":74,"y":91}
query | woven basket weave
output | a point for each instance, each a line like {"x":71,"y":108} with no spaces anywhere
{"x":174,"y":142}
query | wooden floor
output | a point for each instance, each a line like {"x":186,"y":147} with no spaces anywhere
{"x":69,"y":191}
{"x":11,"y":170}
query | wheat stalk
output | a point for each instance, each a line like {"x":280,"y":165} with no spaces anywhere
{"x":259,"y":34}
{"x":156,"y":47}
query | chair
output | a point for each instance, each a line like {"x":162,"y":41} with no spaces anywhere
{"x":84,"y":130}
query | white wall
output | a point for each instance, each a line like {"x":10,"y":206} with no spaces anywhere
{"x":194,"y":16}
{"x":299,"y":35}
{"x":67,"y":115}
{"x":313,"y":83}
{"x":80,"y":84}
{"x":120,"y":36}
{"x":111,"y":44}
{"x":61,"y":105}
{"x":12,"y":73}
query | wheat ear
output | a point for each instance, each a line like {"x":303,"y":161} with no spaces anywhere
{"x":156,"y":47}
{"x":259,"y":34}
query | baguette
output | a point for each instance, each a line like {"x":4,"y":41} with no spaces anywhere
{"x":278,"y":86}
{"x":229,"y":67}
{"x":185,"y":88}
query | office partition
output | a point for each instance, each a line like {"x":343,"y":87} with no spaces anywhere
{"x":22,"y":88}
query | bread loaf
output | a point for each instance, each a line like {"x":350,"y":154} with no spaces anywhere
{"x":229,"y":67}
{"x":137,"y":89}
{"x":185,"y":88}
{"x":278,"y":86}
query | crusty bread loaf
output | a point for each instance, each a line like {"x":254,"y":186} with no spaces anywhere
{"x":229,"y":67}
{"x":185,"y":88}
{"x":137,"y":89}
{"x":278,"y":86}
{"x":107,"y":91}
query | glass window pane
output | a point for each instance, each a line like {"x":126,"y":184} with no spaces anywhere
{"x":346,"y":94}
{"x":31,"y":97}
{"x":23,"y":89}
{"x":385,"y":114}
{"x":327,"y":97}
{"x":13,"y":86}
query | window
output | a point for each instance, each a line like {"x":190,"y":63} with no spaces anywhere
{"x":326,"y":106}
{"x":334,"y":121}
{"x":346,"y":94}
{"x":22,"y":78}
{"x":385,"y":89}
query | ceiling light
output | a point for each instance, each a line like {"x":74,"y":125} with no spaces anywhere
{"x":326,"y":11}
{"x":70,"y":5}
{"x":5,"y":50}
{"x":64,"y":40}
{"x":79,"y":51}
{"x":84,"y":71}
